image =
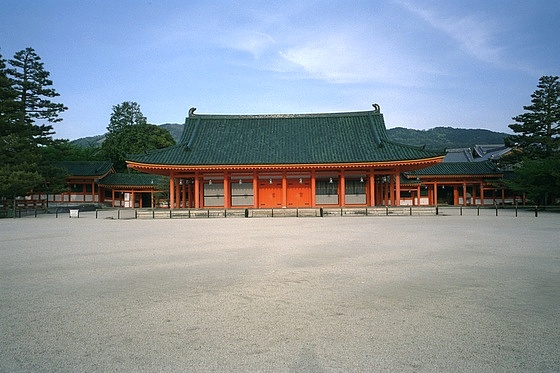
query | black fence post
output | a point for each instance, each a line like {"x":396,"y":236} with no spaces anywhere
{"x":536,"y":211}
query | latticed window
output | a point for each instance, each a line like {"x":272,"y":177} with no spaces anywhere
{"x":326,"y":187}
{"x":355,"y":186}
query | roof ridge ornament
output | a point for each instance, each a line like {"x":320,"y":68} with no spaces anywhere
{"x":375,"y":107}
{"x":191,"y":112}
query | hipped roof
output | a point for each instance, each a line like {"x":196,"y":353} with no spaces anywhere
{"x":486,"y":168}
{"x":132,"y":180}
{"x":353,"y":137}
{"x":86,"y":168}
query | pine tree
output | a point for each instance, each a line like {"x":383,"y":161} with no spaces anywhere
{"x":26,"y":117}
{"x":31,"y":82}
{"x":538,"y":128}
{"x":535,"y":157}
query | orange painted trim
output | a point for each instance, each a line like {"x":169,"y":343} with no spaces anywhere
{"x":316,"y":166}
{"x":463,"y":176}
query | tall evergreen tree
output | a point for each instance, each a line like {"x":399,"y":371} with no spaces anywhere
{"x":9,"y":109}
{"x":34,"y":93}
{"x":26,"y":117}
{"x":538,"y":129}
{"x":536,"y":146}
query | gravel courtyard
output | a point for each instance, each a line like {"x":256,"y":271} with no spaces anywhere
{"x":406,"y":294}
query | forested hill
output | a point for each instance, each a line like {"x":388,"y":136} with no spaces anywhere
{"x":435,"y":138}
{"x":445,"y":137}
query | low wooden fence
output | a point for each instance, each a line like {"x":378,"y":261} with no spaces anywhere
{"x":128,"y":213}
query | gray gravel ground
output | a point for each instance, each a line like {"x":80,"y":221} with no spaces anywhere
{"x":406,"y":294}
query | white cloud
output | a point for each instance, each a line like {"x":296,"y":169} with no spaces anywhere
{"x":474,"y":34}
{"x":253,"y":42}
{"x":352,"y":58}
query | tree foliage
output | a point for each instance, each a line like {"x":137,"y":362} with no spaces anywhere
{"x":26,"y":117}
{"x":34,"y":93}
{"x":126,"y":114}
{"x":536,"y":146}
{"x":538,"y":129}
{"x":539,"y":178}
{"x":130,"y":133}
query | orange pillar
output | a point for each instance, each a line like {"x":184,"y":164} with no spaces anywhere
{"x":464,"y":194}
{"x":171,"y":191}
{"x":435,"y":193}
{"x":227,"y":191}
{"x":313,"y":189}
{"x":342,"y":189}
{"x":397,"y":188}
{"x":372,"y":188}
{"x":284,"y":190}
{"x":197,"y":190}
{"x":455,"y":196}
{"x":255,"y":189}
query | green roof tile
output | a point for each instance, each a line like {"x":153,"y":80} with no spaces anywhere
{"x":458,"y":168}
{"x":85,"y":168}
{"x":132,"y":180}
{"x":284,"y":139}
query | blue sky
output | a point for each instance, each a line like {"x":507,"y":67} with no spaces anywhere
{"x":465,"y":64}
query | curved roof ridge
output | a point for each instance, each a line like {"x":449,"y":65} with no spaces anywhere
{"x":297,"y":115}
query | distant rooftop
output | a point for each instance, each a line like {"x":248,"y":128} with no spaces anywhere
{"x":478,"y":153}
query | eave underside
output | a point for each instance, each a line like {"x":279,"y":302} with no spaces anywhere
{"x":403,"y":166}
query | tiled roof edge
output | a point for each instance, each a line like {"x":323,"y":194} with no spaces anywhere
{"x":264,"y":116}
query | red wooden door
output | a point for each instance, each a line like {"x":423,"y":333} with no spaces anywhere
{"x":270,"y":193}
{"x":299,"y":193}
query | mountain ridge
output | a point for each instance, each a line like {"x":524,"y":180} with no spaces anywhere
{"x":436,"y":138}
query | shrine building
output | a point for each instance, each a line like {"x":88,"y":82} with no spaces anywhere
{"x":285,"y":161}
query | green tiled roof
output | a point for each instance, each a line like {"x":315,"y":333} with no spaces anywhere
{"x":132,"y":180}
{"x":284,"y":139}
{"x":458,"y":168}
{"x":86,"y":168}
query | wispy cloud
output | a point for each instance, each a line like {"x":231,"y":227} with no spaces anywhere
{"x":475,"y":34}
{"x":347,"y":57}
{"x":253,"y":42}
